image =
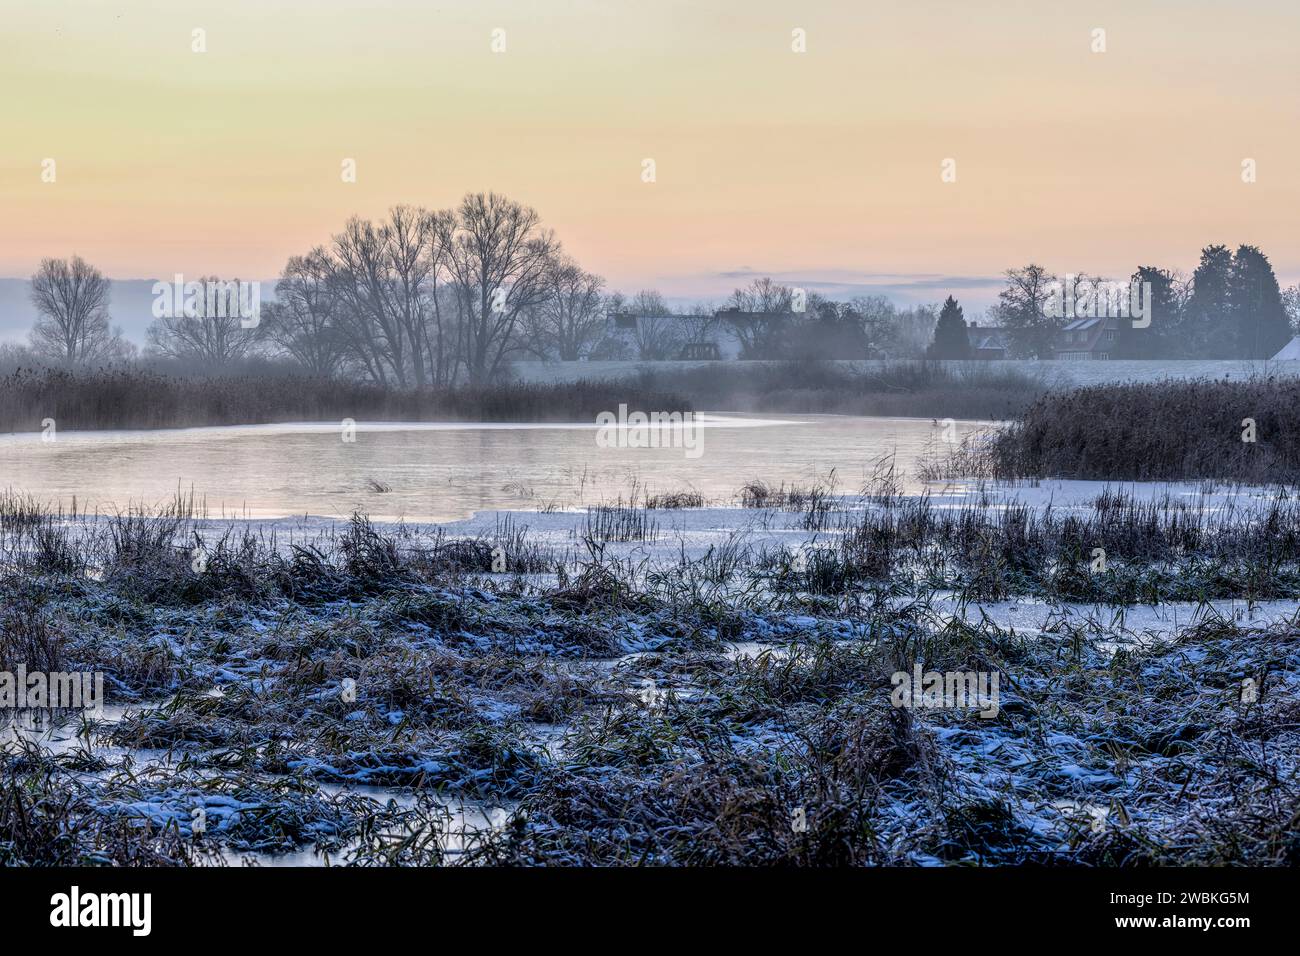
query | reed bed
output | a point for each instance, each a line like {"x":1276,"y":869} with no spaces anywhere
{"x":132,"y":397}
{"x":903,"y":388}
{"x":1247,"y":431}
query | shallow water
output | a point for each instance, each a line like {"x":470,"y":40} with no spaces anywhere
{"x":440,"y":471}
{"x":59,"y":732}
{"x":460,"y":823}
{"x":457,"y":822}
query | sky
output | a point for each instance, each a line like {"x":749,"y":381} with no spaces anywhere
{"x":824,"y":168}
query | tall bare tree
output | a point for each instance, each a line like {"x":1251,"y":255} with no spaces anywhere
{"x":1023,"y":309}
{"x":758,"y":315}
{"x":72,"y":325}
{"x":424,"y":297}
{"x":572,"y":315}
{"x":442,"y":328}
{"x":408,"y":237}
{"x":658,"y":333}
{"x":497,"y":256}
{"x":209,"y":328}
{"x":386,"y":276}
{"x":763,"y":295}
{"x":376,"y":335}
{"x":301,"y":321}
{"x":700,"y":324}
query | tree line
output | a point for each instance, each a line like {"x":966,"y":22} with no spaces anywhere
{"x":439,"y":298}
{"x":1230,"y":307}
{"x":418,"y":298}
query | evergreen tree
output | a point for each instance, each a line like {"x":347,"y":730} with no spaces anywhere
{"x":1206,"y":330}
{"x":1255,"y":306}
{"x":1154,"y":341}
{"x":951,"y":339}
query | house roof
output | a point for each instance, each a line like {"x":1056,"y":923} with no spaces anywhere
{"x":1290,"y":352}
{"x":1078,"y":325}
{"x":1085,"y":335}
{"x":652,"y":315}
{"x":993,"y":338}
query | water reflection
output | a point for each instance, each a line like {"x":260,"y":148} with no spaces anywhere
{"x":440,"y":472}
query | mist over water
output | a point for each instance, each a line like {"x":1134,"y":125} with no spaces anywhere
{"x":442,"y":472}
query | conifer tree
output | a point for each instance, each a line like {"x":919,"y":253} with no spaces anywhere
{"x":951,"y":339}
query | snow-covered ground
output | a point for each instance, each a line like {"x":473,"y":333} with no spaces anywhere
{"x":461,"y":687}
{"x":689,"y":533}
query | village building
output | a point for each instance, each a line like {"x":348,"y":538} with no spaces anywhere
{"x":1087,"y":339}
{"x":692,"y":337}
{"x":987,"y":343}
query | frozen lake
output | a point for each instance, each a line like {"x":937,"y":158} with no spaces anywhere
{"x":424,"y":471}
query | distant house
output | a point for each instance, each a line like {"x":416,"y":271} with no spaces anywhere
{"x":699,"y":352}
{"x":617,"y":323}
{"x":691,"y":337}
{"x":987,"y":343}
{"x":1087,"y":339}
{"x":756,"y":330}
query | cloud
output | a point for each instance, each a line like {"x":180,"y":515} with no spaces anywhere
{"x":905,"y":288}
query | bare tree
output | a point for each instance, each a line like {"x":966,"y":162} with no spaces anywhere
{"x":1023,"y":310}
{"x":658,"y":333}
{"x":758,"y":315}
{"x":208,"y":329}
{"x":763,"y":295}
{"x":571,"y":317}
{"x":72,"y":325}
{"x":301,"y":322}
{"x":497,"y":256}
{"x":377,"y":335}
{"x":443,"y":332}
{"x":610,"y":344}
{"x":406,"y":294}
{"x":423,"y":297}
{"x":878,"y":319}
{"x":700,"y":324}
{"x":911,"y":331}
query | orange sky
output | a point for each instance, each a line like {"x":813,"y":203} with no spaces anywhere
{"x":823,"y":164}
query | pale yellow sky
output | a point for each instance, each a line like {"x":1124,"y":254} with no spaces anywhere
{"x":818,"y":164}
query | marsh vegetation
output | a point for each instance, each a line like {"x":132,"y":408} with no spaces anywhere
{"x":134,"y":397}
{"x":384,"y":695}
{"x":1164,"y":431}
